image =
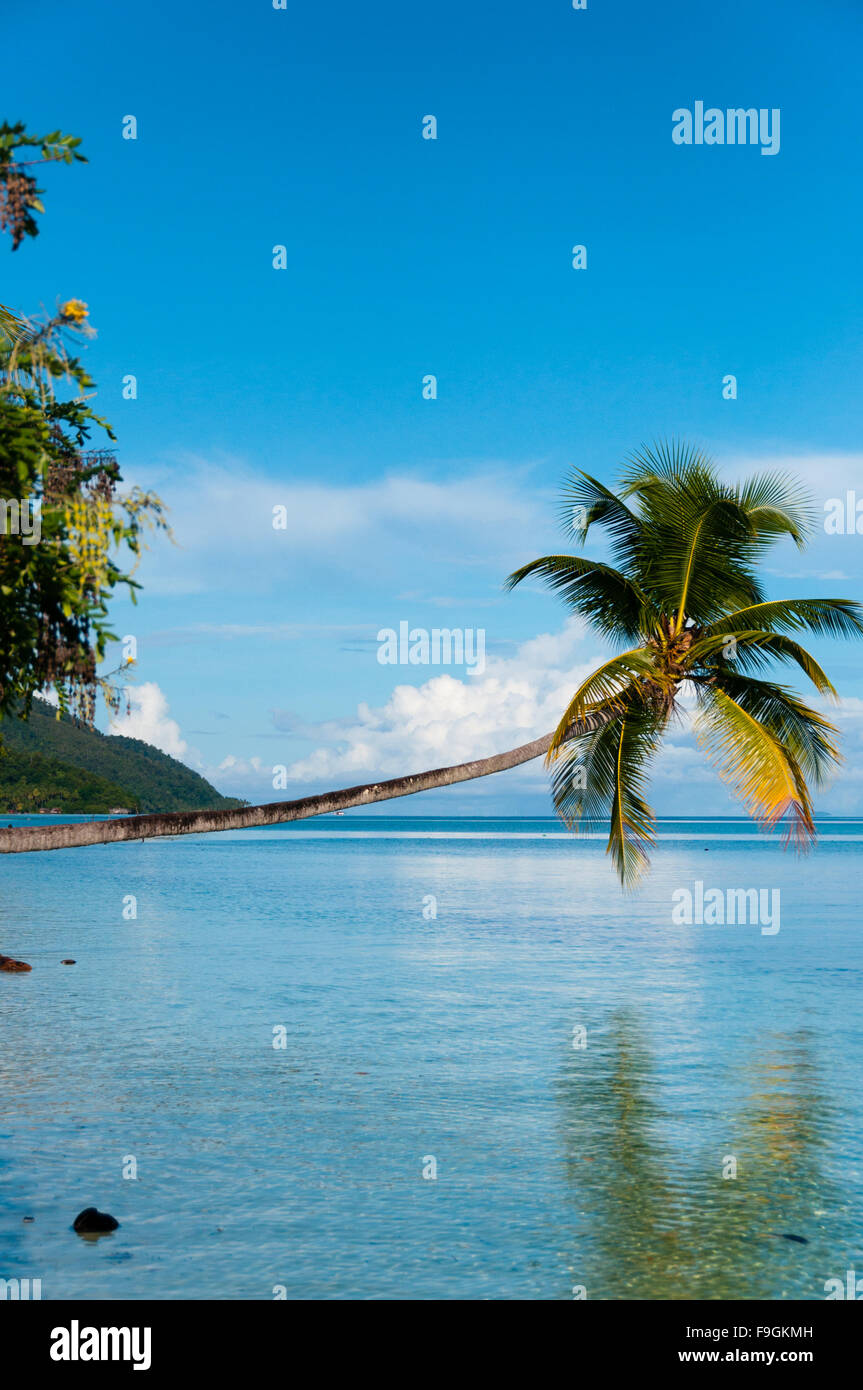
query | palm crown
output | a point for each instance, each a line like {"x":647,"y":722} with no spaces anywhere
{"x":684,"y":595}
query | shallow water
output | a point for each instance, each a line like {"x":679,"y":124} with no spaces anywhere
{"x":412,"y":1037}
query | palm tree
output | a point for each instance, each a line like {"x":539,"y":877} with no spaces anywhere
{"x":684,"y":595}
{"x":686,"y":598}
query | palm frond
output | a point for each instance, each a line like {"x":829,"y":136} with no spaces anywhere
{"x":832,"y":617}
{"x":582,"y":776}
{"x":612,"y":685}
{"x":604,"y":597}
{"x":810,"y":738}
{"x":777,"y":505}
{"x":633,"y":821}
{"x":750,"y":759}
{"x":665,"y":461}
{"x":706,"y":558}
{"x":603,"y":773}
{"x":586,"y":502}
{"x":755,"y":649}
{"x":10,"y":324}
{"x":697,"y":559}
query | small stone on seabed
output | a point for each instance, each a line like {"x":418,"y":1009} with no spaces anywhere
{"x":7,"y":963}
{"x":91,"y":1222}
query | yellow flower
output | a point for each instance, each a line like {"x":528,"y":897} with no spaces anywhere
{"x":89,"y":527}
{"x":74,"y":309}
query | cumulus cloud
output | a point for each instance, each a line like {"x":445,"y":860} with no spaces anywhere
{"x":237,"y":776}
{"x":452,"y":720}
{"x":148,"y":720}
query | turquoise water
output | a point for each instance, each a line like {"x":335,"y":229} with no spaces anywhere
{"x":410,"y":1037}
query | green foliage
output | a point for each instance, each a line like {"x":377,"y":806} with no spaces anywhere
{"x":684,"y":587}
{"x":141,"y":776}
{"x":84,"y":537}
{"x":20,"y":196}
{"x":604,"y":773}
{"x":54,"y":591}
{"x":29,"y":782}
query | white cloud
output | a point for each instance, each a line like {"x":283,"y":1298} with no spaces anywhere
{"x":824,"y":471}
{"x":223,"y":526}
{"x":147,"y":719}
{"x":450,"y":720}
{"x":240,"y":776}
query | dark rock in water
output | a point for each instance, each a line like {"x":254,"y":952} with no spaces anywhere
{"x":93,"y":1222}
{"x":7,"y":963}
{"x":68,"y":962}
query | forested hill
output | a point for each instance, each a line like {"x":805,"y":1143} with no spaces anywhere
{"x":48,"y":762}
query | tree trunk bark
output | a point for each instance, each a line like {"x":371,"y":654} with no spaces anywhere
{"x":69,"y":836}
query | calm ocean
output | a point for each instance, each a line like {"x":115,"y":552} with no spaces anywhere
{"x":374,"y":1057}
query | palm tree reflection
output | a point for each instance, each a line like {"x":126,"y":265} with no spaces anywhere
{"x":645,"y":1159}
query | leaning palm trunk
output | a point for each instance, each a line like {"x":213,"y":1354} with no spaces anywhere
{"x":69,"y":836}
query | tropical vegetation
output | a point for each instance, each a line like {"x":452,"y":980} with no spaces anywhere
{"x":60,"y":567}
{"x":85,"y":763}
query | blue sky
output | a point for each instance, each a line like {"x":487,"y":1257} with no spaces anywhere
{"x":406,"y":256}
